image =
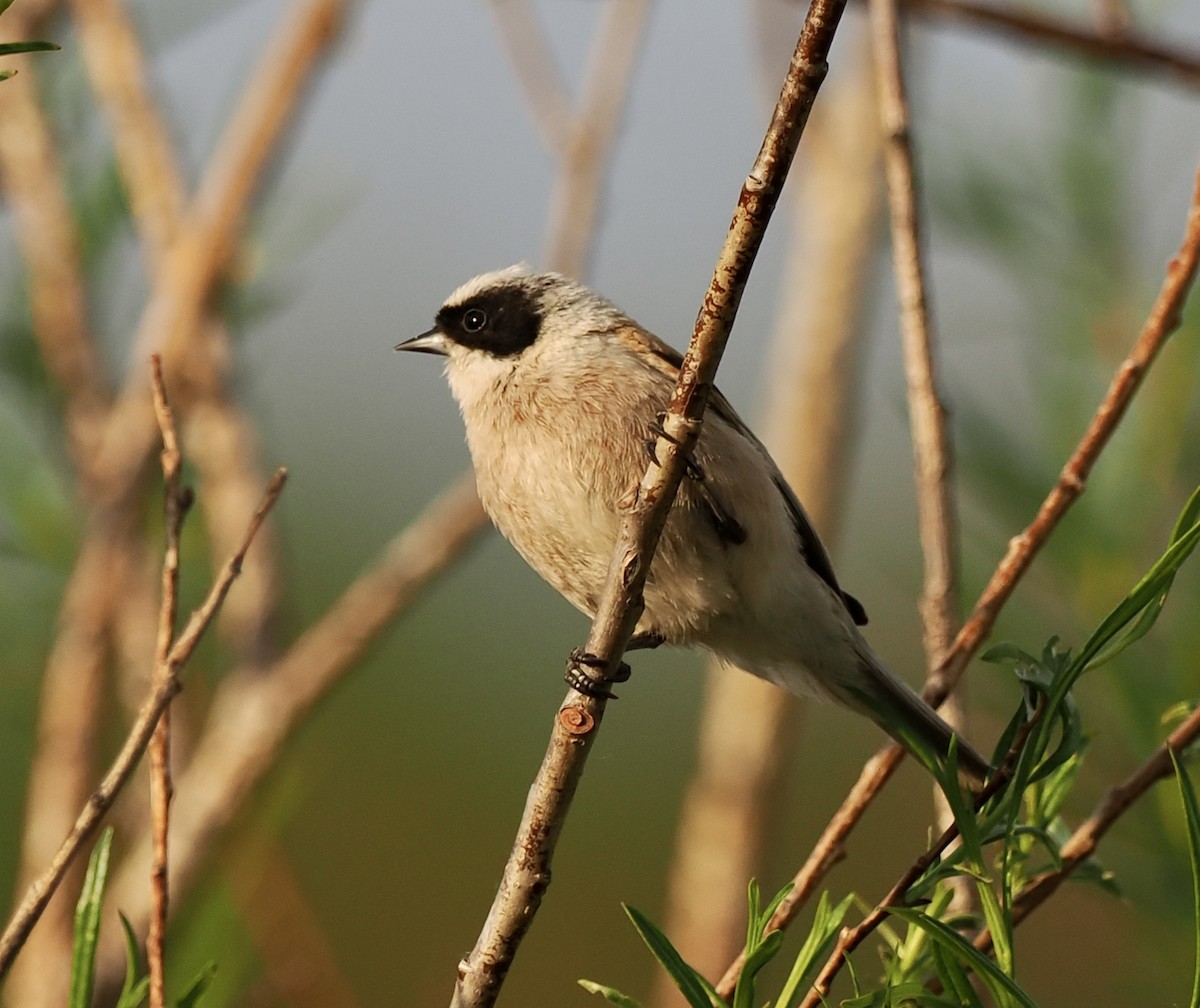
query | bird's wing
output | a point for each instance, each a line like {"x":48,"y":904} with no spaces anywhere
{"x":665,"y":359}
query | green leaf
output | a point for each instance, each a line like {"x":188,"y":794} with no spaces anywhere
{"x":815,"y":950}
{"x":136,"y":987}
{"x":4,"y":5}
{"x":609,"y":994}
{"x":954,"y":978}
{"x":758,"y":957}
{"x":1191,"y":813}
{"x":698,"y":992}
{"x":191,"y":997}
{"x":87,"y":924}
{"x":1147,"y":596}
{"x":8,"y":48}
{"x":1003,"y":988}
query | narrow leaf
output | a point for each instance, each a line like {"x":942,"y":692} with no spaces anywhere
{"x":690,"y":983}
{"x":87,"y":924}
{"x":191,"y":997}
{"x":134,"y":990}
{"x":609,"y":994}
{"x":1004,"y":989}
{"x":1191,"y":813}
{"x":8,"y":48}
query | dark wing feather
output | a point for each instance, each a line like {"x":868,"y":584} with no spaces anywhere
{"x":668,"y":361}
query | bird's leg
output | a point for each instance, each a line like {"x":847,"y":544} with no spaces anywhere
{"x":589,"y":685}
{"x":659,"y":431}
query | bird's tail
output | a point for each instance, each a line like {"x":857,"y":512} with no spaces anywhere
{"x":899,"y":711}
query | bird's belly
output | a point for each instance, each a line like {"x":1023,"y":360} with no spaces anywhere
{"x":566,"y":529}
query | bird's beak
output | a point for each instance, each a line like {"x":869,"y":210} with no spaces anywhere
{"x":428,"y":342}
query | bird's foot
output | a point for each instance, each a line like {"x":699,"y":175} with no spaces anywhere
{"x":582,"y":681}
{"x":648,"y":640}
{"x":659,"y":431}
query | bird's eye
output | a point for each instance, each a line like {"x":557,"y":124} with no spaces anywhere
{"x":474,"y":319}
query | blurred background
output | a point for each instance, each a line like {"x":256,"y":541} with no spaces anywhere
{"x":359,"y":868}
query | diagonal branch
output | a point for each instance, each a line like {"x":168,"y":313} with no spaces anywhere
{"x":1140,"y":53}
{"x":526,"y":874}
{"x":166,"y":684}
{"x":255,"y":711}
{"x":1163,"y":320}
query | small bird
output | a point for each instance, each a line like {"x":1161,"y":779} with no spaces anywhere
{"x":561,"y":394}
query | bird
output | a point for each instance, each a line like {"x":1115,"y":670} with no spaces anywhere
{"x":561,"y":393}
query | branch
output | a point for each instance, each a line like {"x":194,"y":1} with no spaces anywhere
{"x":255,"y":711}
{"x":579,"y":138}
{"x":1163,"y":320}
{"x":814,"y":375}
{"x":852,"y":937}
{"x":932,"y":450}
{"x":575,"y":203}
{"x":176,"y":505}
{"x":208,"y":233}
{"x":166,"y":685}
{"x":1178,"y":64}
{"x":526,"y":874}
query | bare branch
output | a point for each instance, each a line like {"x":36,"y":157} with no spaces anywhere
{"x":119,"y":77}
{"x":164,"y":689}
{"x":813,"y":374}
{"x":526,"y":874}
{"x":1177,"y":64}
{"x":35,"y":192}
{"x":176,"y":505}
{"x":208,"y":235}
{"x":575,"y":203}
{"x":1162,"y":322}
{"x":932,"y":450}
{"x":533,"y":63}
{"x":255,"y":711}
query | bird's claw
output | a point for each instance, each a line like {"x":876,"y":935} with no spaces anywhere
{"x":659,"y":431}
{"x":588,"y":684}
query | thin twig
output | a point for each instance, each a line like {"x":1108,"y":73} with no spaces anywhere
{"x":852,"y":937}
{"x":214,"y":219}
{"x":164,"y":689}
{"x":933,"y":450}
{"x":814,"y":374}
{"x":1162,"y":321}
{"x":575,"y":203}
{"x":580,"y":138}
{"x":175,"y":508}
{"x":255,"y":711}
{"x":1129,"y":49}
{"x":526,"y":874}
